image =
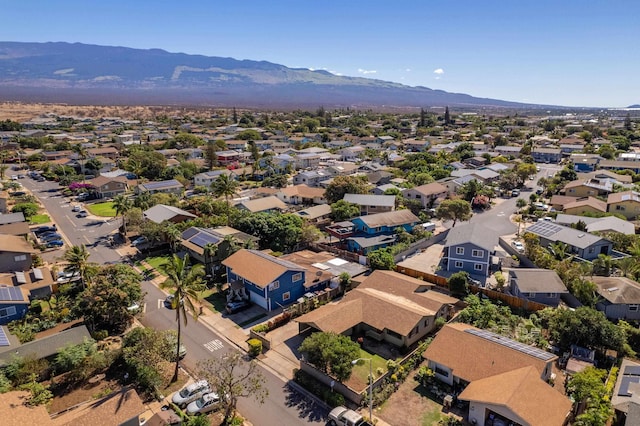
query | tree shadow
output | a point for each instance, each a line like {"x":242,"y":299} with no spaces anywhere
{"x":306,"y":407}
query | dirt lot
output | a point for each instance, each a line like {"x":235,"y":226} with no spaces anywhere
{"x":410,"y":406}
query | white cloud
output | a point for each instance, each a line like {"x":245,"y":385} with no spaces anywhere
{"x":408,"y":70}
{"x":438,"y":71}
{"x":365,"y":72}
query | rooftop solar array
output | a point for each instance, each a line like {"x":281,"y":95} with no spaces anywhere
{"x":163,"y":184}
{"x":545,"y":228}
{"x":202,"y":239}
{"x":11,"y":294}
{"x":4,"y":340}
{"x":632,"y":370}
{"x":624,"y":384}
{"x":37,"y":273}
{"x":20,"y":278}
{"x":512,"y":344}
{"x":190,"y":233}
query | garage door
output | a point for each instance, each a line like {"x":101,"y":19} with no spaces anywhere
{"x":258,"y":300}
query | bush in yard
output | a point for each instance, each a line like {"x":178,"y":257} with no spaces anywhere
{"x":40,"y":394}
{"x":255,"y":347}
{"x":28,"y":209}
{"x":331,"y":353}
{"x":261,"y":328}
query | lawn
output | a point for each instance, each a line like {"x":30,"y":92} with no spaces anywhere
{"x":216,"y":300}
{"x":102,"y":209}
{"x":156,"y":262}
{"x":361,"y":370}
{"x":38,"y":219}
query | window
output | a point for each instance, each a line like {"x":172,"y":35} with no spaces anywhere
{"x":551,"y":295}
{"x":458,"y":264}
{"x":20,"y":258}
{"x":8,"y":311}
{"x":619,"y":207}
{"x":633,"y":307}
{"x":274,"y":285}
{"x":591,"y":249}
{"x":477,"y":266}
{"x":297,"y":277}
{"x":426,"y":322}
{"x":459,"y":250}
{"x":477,"y":253}
{"x":286,"y":296}
{"x":442,"y":372}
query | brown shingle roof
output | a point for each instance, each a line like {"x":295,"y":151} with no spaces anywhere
{"x":258,"y":267}
{"x":15,"y":412}
{"x":263,"y":204}
{"x":618,"y":197}
{"x":431,"y":188}
{"x":618,"y":290}
{"x":15,"y":244}
{"x":117,"y":408}
{"x":453,"y":347}
{"x":524,"y":393}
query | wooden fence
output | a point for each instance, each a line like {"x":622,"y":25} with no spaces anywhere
{"x":513,"y":301}
{"x":431,"y":278}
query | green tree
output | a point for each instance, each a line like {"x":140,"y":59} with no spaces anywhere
{"x":381,"y":259}
{"x":341,"y":185}
{"x":331,"y":353}
{"x":225,"y":186}
{"x":186,"y":283}
{"x":458,"y":284}
{"x":27,"y":209}
{"x":77,"y":258}
{"x":520,"y":203}
{"x":344,"y":210}
{"x":122,"y":205}
{"x":447,"y":116}
{"x":40,"y":394}
{"x":455,"y":210}
{"x":249,"y":135}
{"x":145,"y":352}
{"x":235,"y":378}
{"x":470,"y":189}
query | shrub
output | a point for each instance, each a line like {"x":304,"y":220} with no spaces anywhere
{"x":101,"y":334}
{"x":255,"y":347}
{"x":261,"y":328}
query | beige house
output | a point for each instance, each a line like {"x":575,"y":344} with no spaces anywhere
{"x":585,"y":205}
{"x":590,"y":187}
{"x":301,"y":194}
{"x":110,"y":187}
{"x":427,"y":194}
{"x":625,"y":203}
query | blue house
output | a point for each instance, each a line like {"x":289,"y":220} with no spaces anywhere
{"x":265,"y":280}
{"x":385,"y":223}
{"x":469,"y":248}
{"x":13,"y":304}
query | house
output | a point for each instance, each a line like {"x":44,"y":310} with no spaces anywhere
{"x":265,"y":280}
{"x":625,"y":203}
{"x":14,"y":304}
{"x":582,"y":244}
{"x":18,"y":228}
{"x":36,"y":283}
{"x":607,"y":174}
{"x":585,"y":205}
{"x":4,"y":197}
{"x":8,"y":218}
{"x":15,"y":410}
{"x":476,"y":161}
{"x":109,"y":187}
{"x":315,"y":214}
{"x":365,"y":244}
{"x":586,"y":188}
{"x":160,"y":212}
{"x":626,"y":392}
{"x":558,"y":202}
{"x":370,"y":204}
{"x":584,"y":162}
{"x":207,"y":178}
{"x":547,"y":155}
{"x":634,"y":166}
{"x":307,"y":161}
{"x":538,"y":285}
{"x":15,"y":253}
{"x":501,"y":378}
{"x":598,"y":224}
{"x":469,"y":248}
{"x":226,"y":158}
{"x":171,"y":186}
{"x":411,"y":310}
{"x":301,"y":194}
{"x":427,"y":194}
{"x":619,"y":297}
{"x":311,"y":177}
{"x":194,"y":239}
{"x":264,"y":204}
{"x":385,"y":223}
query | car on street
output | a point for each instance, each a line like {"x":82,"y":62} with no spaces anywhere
{"x":190,"y":393}
{"x":14,"y":177}
{"x":206,"y":403}
{"x":515,"y":193}
{"x":168,"y":301}
{"x":54,"y":243}
{"x":518,"y":246}
{"x":76,"y":208}
{"x":82,"y":213}
{"x":233,"y":307}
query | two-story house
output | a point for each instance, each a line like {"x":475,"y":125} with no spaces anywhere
{"x":591,"y":187}
{"x":109,"y":187}
{"x":301,"y":194}
{"x":469,"y":248}
{"x":547,"y":155}
{"x":207,"y":178}
{"x":625,"y":203}
{"x":265,"y":280}
{"x":15,"y":253}
{"x":370,"y":203}
{"x":619,"y":297}
{"x":372,"y":232}
{"x":427,"y":194}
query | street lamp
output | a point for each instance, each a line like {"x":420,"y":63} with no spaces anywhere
{"x":354,"y":362}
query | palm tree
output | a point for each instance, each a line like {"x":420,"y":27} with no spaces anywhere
{"x":82,"y":155}
{"x":209,"y":251}
{"x":187,"y":284}
{"x":627,"y":265}
{"x":122,"y":205}
{"x":225,"y":186}
{"x":78,"y":262}
{"x":603,"y":264}
{"x":172,"y":235}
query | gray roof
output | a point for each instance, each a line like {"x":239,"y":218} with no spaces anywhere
{"x":598,"y":224}
{"x":538,"y":281}
{"x":393,"y":218}
{"x":366,"y":242}
{"x":160,"y":212}
{"x":618,"y":290}
{"x":314,"y":212}
{"x":46,"y":346}
{"x":474,"y":233}
{"x":554,"y":232}
{"x":11,"y":218}
{"x":371,"y":200}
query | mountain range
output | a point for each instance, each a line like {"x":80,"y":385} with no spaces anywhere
{"x":88,"y":74}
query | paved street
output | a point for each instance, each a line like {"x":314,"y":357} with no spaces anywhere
{"x":282,"y":407}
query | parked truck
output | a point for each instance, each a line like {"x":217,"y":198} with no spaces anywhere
{"x":342,"y":416}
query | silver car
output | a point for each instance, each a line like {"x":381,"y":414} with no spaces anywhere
{"x":204,"y":404}
{"x":190,"y":393}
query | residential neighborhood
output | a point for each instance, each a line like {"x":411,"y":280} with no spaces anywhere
{"x":467,"y":268}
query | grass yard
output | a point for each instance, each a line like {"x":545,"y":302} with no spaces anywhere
{"x":102,"y":209}
{"x":156,"y":262}
{"x":361,"y":370}
{"x":215,"y":300}
{"x":39,"y":219}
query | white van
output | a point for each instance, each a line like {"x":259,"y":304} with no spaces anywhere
{"x":429,"y":226}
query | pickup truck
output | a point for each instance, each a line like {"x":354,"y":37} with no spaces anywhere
{"x":342,"y":416}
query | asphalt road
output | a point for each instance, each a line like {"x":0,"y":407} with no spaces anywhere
{"x":282,"y":407}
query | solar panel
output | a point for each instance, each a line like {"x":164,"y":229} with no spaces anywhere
{"x":632,"y":370}
{"x":189,"y":233}
{"x":4,"y":340}
{"x":20,"y":278}
{"x":203,"y":239}
{"x":624,"y":384}
{"x":512,"y":344}
{"x":163,"y":184}
{"x":37,"y":273}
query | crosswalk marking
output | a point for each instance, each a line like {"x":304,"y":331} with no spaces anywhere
{"x":214,"y":345}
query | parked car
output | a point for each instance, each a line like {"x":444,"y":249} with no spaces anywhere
{"x":206,"y":403}
{"x":139,"y":241}
{"x":50,"y":237}
{"x":233,"y":307}
{"x":76,"y":208}
{"x":515,"y":193}
{"x":190,"y":393}
{"x":14,"y":177}
{"x":65,"y":276}
{"x":42,"y":229}
{"x":54,"y":243}
{"x":518,"y":246}
{"x":82,"y":213}
{"x":168,"y":301}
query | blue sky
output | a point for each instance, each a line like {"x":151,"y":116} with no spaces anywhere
{"x":560,"y":52}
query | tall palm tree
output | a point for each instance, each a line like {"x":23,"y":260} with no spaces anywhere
{"x":627,"y":265}
{"x":82,"y":156}
{"x":209,"y":251}
{"x":122,"y":205}
{"x":225,"y":186}
{"x":78,"y":262}
{"x":187,"y":284}
{"x":172,"y":235}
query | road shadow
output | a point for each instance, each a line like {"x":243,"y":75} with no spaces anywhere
{"x":307,"y":409}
